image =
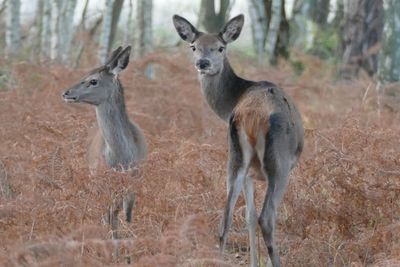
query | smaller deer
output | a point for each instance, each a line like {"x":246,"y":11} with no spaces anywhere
{"x":265,"y":130}
{"x":118,"y":141}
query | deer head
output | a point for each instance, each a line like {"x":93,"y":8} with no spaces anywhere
{"x":96,"y":87}
{"x":209,"y":49}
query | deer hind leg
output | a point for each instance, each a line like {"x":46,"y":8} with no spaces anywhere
{"x":277,"y":180}
{"x":240,"y":154}
{"x":251,"y":219}
{"x":125,"y":203}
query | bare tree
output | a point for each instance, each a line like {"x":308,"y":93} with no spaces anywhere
{"x":82,"y":24}
{"x":211,"y":20}
{"x":45,"y":36}
{"x":37,"y":29}
{"x":319,"y":11}
{"x":116,"y":12}
{"x":144,"y":39}
{"x":105,"y":31}
{"x":55,"y":40}
{"x":66,"y":29}
{"x":282,"y":45}
{"x":258,"y":26}
{"x":273,"y":31}
{"x":389,"y":56}
{"x":13,"y":27}
{"x":112,"y":11}
{"x":361,"y":33}
{"x":144,"y":27}
{"x":270,"y":28}
{"x":129,"y":24}
{"x":298,"y":23}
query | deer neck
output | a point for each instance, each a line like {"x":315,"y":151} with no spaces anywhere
{"x":115,"y":128}
{"x":223,"y":90}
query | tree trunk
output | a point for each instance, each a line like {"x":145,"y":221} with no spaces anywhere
{"x":389,"y":56}
{"x":339,"y":15}
{"x":319,"y":11}
{"x":105,"y":31}
{"x":282,"y":45}
{"x":55,"y":27}
{"x":298,"y":23}
{"x":273,"y":32}
{"x":269,"y":25}
{"x":144,"y":27}
{"x":83,"y":16}
{"x":362,"y":31}
{"x":45,"y":37}
{"x":116,"y":12}
{"x":145,"y":32}
{"x":13,"y":27}
{"x":129,"y":25}
{"x":38,"y":30}
{"x":66,"y":29}
{"x":210,"y":19}
{"x":258,"y":26}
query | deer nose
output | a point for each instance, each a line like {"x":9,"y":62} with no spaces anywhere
{"x":203,"y":64}
{"x":67,"y":96}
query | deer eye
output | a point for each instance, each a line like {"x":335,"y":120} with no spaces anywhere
{"x":221,"y":49}
{"x":193,"y":48}
{"x":93,"y":82}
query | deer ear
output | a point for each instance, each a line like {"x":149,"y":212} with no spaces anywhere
{"x":113,"y":55}
{"x":232,"y":29}
{"x":120,"y":62}
{"x":185,"y":29}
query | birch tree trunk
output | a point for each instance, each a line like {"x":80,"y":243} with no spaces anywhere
{"x":389,"y":56}
{"x":105,"y":31}
{"x":13,"y":27}
{"x":258,"y":26}
{"x":45,"y":37}
{"x":82,"y":24}
{"x":55,"y":27}
{"x":273,"y":31}
{"x":299,"y":24}
{"x":66,"y":29}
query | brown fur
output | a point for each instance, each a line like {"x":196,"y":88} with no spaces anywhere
{"x":252,"y":113}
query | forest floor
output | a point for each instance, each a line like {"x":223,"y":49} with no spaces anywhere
{"x":341,"y":207}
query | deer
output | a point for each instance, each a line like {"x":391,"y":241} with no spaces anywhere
{"x":118,"y":142}
{"x":265,"y":131}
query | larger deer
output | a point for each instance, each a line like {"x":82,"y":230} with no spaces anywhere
{"x":265,"y":130}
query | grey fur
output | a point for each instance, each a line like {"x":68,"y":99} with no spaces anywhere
{"x":275,"y":152}
{"x":122,"y":142}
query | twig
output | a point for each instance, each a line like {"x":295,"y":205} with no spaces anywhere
{"x":33,"y":226}
{"x":366,"y":93}
{"x":389,"y":173}
{"x":5,"y":187}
